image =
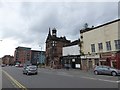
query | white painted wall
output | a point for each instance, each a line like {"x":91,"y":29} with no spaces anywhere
{"x":102,"y":34}
{"x":71,"y":50}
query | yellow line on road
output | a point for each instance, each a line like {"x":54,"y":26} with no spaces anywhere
{"x":15,"y":81}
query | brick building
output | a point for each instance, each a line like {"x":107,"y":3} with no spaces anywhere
{"x":8,"y":60}
{"x":22,"y":55}
{"x":54,"y":46}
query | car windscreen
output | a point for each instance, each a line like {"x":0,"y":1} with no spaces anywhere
{"x":32,"y":67}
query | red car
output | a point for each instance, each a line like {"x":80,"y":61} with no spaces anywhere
{"x":20,"y":65}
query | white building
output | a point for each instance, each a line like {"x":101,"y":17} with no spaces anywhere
{"x":101,"y":43}
{"x":71,"y":55}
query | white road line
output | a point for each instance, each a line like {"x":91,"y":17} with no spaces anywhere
{"x":101,"y":79}
{"x":118,"y":81}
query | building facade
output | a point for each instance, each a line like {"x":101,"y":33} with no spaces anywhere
{"x":54,"y":46}
{"x":101,"y":45}
{"x":22,"y":55}
{"x":71,"y":55}
{"x":37,"y":57}
{"x":8,"y":60}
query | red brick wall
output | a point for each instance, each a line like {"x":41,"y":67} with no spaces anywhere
{"x":118,"y":60}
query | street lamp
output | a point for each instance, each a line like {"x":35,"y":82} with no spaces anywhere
{"x":40,"y":54}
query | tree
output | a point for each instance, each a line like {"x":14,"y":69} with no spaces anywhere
{"x":86,"y":25}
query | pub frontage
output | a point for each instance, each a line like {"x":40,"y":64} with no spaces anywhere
{"x":111,"y":59}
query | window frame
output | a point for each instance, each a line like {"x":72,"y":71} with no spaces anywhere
{"x":100,"y":46}
{"x":93,"y":48}
{"x":117,"y":44}
{"x":108,"y":46}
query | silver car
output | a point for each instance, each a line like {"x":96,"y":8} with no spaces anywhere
{"x":106,"y":70}
{"x":30,"y":69}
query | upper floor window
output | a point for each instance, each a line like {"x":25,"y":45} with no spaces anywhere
{"x":93,"y":47}
{"x":108,"y":45}
{"x":100,"y":46}
{"x":54,"y":43}
{"x":117,"y":44}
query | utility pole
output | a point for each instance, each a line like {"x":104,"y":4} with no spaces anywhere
{"x":40,"y":54}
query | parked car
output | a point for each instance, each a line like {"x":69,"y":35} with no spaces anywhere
{"x":3,"y":65}
{"x":20,"y":65}
{"x":30,"y":69}
{"x":106,"y":70}
{"x":16,"y":65}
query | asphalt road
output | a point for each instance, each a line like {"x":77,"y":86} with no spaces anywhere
{"x":13,"y":77}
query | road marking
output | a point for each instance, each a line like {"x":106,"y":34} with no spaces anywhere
{"x":15,"y":81}
{"x":118,"y":81}
{"x":101,"y":79}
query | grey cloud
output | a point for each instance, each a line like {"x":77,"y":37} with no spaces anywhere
{"x":68,"y":18}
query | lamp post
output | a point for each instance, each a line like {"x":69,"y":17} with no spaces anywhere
{"x":40,"y":54}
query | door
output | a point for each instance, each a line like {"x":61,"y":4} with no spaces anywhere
{"x":73,"y":65}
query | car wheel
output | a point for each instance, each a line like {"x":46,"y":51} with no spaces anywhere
{"x":27,"y":73}
{"x":96,"y":72}
{"x":36,"y":73}
{"x":113,"y":73}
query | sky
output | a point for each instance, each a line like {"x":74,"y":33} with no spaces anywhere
{"x":26,"y":22}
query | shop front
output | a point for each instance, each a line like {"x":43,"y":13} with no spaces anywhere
{"x":89,"y":61}
{"x":71,"y":61}
{"x":111,"y":59}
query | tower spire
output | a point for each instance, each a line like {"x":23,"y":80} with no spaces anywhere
{"x":49,"y":34}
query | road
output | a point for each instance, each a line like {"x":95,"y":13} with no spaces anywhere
{"x":13,"y":77}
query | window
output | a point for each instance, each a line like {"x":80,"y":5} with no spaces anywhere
{"x":81,"y":37}
{"x":54,"y":43}
{"x":108,"y":45}
{"x":117,"y":44}
{"x":100,"y":46}
{"x":93,"y":47}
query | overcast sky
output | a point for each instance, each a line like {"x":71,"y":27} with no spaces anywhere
{"x":27,"y":23}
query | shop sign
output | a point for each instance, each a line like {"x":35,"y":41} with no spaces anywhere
{"x":108,"y":55}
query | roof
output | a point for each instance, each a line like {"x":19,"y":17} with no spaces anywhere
{"x":55,"y":38}
{"x":89,"y":29}
{"x":19,"y":47}
{"x":76,"y":42}
{"x":37,"y":51}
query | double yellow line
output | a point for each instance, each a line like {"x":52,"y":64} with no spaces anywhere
{"x":15,"y":81}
